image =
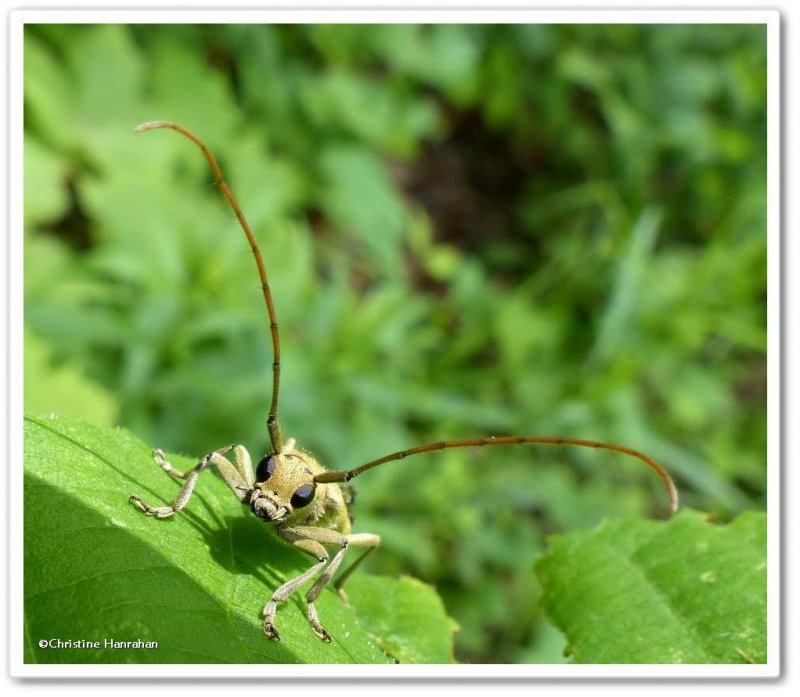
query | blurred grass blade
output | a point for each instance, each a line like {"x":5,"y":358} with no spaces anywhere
{"x":631,"y":276}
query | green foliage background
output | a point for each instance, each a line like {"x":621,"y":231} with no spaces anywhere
{"x":469,"y":230}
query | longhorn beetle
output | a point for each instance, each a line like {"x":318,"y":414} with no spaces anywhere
{"x":290,"y":490}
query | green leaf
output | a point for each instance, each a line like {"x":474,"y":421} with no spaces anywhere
{"x":682,"y":591}
{"x":97,"y":569}
{"x":400,"y":616}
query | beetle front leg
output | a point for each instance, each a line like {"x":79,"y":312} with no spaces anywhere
{"x":161,"y":461}
{"x":244,"y":465}
{"x":316,"y":550}
{"x":181,"y":499}
{"x":310,"y":540}
{"x":230,"y":474}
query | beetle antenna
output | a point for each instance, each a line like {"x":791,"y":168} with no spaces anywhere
{"x":347,"y":475}
{"x":273,"y":424}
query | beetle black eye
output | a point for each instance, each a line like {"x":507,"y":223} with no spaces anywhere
{"x":265,"y":468}
{"x":303,"y":496}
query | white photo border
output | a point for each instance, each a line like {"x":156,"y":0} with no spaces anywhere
{"x":17,"y":21}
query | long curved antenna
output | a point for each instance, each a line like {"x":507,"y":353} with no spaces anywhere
{"x":347,"y":475}
{"x":273,"y":425}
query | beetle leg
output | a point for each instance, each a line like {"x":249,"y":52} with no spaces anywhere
{"x":161,"y":461}
{"x":312,"y":540}
{"x":362,"y":539}
{"x":311,"y":547}
{"x":244,"y":465}
{"x":229,"y":473}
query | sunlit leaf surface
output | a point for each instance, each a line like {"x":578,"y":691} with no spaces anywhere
{"x":684,"y":591}
{"x":97,"y":569}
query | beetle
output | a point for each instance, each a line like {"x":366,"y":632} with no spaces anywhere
{"x":290,"y":490}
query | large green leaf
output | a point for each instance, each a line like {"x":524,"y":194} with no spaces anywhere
{"x":394,"y":614}
{"x":97,"y":569}
{"x":684,"y":591}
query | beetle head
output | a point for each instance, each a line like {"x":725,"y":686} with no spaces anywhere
{"x":284,"y":484}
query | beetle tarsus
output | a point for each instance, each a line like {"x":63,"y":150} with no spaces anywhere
{"x":271,"y":632}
